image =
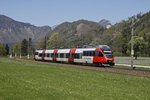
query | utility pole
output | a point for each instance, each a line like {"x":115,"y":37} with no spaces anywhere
{"x":132,"y":44}
{"x":10,"y":52}
{"x":45,"y":42}
{"x":28,"y":56}
{"x":20,"y":51}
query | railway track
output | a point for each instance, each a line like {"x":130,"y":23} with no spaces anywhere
{"x":102,"y":69}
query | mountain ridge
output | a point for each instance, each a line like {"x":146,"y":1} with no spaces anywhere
{"x":12,"y":31}
{"x":84,"y":32}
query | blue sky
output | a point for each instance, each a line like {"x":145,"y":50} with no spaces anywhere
{"x":53,"y":12}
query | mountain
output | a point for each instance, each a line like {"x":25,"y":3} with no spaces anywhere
{"x":105,"y":23}
{"x":12,"y":31}
{"x":72,"y":34}
{"x":78,"y":33}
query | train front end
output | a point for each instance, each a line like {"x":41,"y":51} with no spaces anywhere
{"x":108,"y":53}
{"x":109,"y":57}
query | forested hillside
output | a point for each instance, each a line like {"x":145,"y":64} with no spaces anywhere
{"x":118,"y":37}
{"x":75,"y":34}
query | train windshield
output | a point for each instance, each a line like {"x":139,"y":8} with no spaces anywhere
{"x":107,"y":51}
{"x":108,"y":54}
{"x":106,"y":48}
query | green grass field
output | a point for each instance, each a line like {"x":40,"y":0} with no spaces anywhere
{"x":20,"y":80}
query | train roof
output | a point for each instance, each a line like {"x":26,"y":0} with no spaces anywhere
{"x":104,"y":47}
{"x":78,"y":50}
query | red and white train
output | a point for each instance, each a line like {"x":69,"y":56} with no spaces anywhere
{"x":101,"y":55}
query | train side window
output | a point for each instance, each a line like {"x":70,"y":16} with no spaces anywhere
{"x":35,"y":53}
{"x":56,"y":55}
{"x":76,"y":55}
{"x":91,"y":53}
{"x":84,"y":53}
{"x":97,"y":53}
{"x":67,"y":55}
{"x":80,"y":55}
{"x":64,"y":55}
{"x":52,"y":55}
{"x":48,"y":54}
{"x":61,"y":55}
{"x":43,"y":55}
{"x":72,"y":55}
{"x":100,"y":54}
{"x":88,"y":53}
{"x":40,"y":54}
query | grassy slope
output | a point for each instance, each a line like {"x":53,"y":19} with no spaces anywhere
{"x":21,"y":80}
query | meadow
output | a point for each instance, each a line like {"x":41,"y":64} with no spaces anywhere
{"x":22,"y":80}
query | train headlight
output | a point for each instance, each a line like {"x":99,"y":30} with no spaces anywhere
{"x":109,"y":61}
